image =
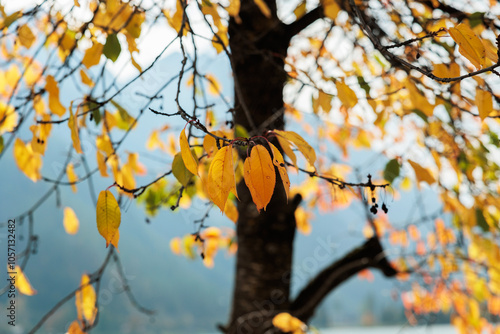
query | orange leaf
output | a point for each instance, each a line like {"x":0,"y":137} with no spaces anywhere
{"x":259,"y":175}
{"x":101,"y":164}
{"x":21,"y":281}
{"x":108,"y":216}
{"x":74,"y":328}
{"x":210,"y":145}
{"x":221,"y":177}
{"x":346,"y":95}
{"x":55,"y":105}
{"x":279,"y":162}
{"x":423,"y":174}
{"x":189,"y":159}
{"x":214,"y":86}
{"x":71,"y":223}
{"x":73,"y":126}
{"x":93,"y":55}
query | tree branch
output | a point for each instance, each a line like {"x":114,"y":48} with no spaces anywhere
{"x":370,"y":254}
{"x":300,"y":24}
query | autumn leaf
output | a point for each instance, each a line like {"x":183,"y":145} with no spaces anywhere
{"x":75,"y":137}
{"x":29,"y":162}
{"x":101,"y":164}
{"x":330,"y":8}
{"x":85,"y":300}
{"x":190,"y":161}
{"x":423,"y":174}
{"x":210,"y":145}
{"x":263,"y":8}
{"x":288,"y":323}
{"x":93,"y":55}
{"x":74,"y":327}
{"x":26,"y":36}
{"x":21,"y":281}
{"x":72,"y":178}
{"x":470,"y":45}
{"x":221,"y":178}
{"x":279,"y":162}
{"x":8,"y":118}
{"x":214,"y":86}
{"x":71,"y":223}
{"x":346,"y":95}
{"x":55,"y":105}
{"x":484,"y":103}
{"x":112,"y":48}
{"x":181,"y":173}
{"x":259,"y":175}
{"x":300,"y":143}
{"x":108,"y":216}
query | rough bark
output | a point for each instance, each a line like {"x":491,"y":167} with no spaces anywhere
{"x":265,"y":240}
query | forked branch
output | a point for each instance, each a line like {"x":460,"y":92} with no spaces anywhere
{"x":369,"y":255}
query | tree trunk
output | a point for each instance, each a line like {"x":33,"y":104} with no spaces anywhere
{"x":265,"y":240}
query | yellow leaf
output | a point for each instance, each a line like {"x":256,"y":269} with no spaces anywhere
{"x":55,"y":105}
{"x":234,"y":9}
{"x":346,"y":95}
{"x":29,"y":162}
{"x":74,"y":328}
{"x":221,"y":177}
{"x":214,"y":86}
{"x":259,"y":176}
{"x":330,"y":8}
{"x":302,"y":221}
{"x":72,"y":178}
{"x":70,"y":222}
{"x":21,"y":282}
{"x":176,"y":246}
{"x":181,"y":173}
{"x":279,"y":162}
{"x":419,"y":100}
{"x":134,"y":24}
{"x":285,"y":145}
{"x":8,"y":118}
{"x":470,"y":45}
{"x":300,"y":143}
{"x":189,"y":159}
{"x":92,"y":55}
{"x":210,"y":145}
{"x":423,"y":174}
{"x":85,"y":300}
{"x":263,"y":8}
{"x":300,"y":10}
{"x":231,"y":211}
{"x":73,"y":126}
{"x":325,"y":101}
{"x":108,"y":215}
{"x":86,"y":79}
{"x":77,"y":4}
{"x":154,"y":141}
{"x":288,"y":323}
{"x":101,"y":164}
{"x":484,"y":103}
{"x":25,"y":36}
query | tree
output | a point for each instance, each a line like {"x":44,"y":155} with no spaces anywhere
{"x":414,"y":80}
